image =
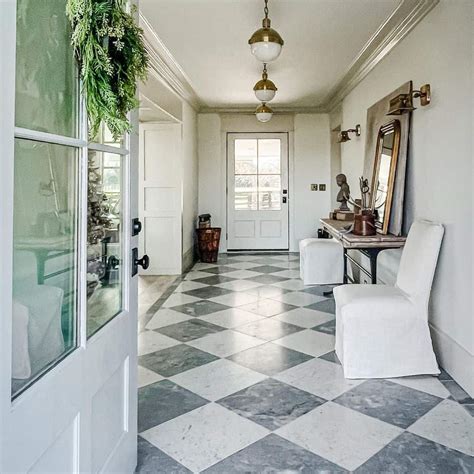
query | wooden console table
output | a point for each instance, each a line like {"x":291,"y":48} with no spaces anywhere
{"x":370,"y":246}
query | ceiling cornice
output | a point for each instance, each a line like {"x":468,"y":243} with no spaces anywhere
{"x":403,"y":19}
{"x":165,"y":67}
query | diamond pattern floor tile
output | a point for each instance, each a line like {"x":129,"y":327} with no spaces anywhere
{"x":151,"y":459}
{"x":189,"y":330}
{"x":268,"y":329}
{"x":200,"y":308}
{"x":267,"y":307}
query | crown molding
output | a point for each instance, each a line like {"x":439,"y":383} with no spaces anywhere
{"x":403,"y":20}
{"x":165,"y":67}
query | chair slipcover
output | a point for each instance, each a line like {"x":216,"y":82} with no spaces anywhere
{"x":321,"y":261}
{"x":382,"y":331}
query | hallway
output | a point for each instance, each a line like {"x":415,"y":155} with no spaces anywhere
{"x":237,"y":374}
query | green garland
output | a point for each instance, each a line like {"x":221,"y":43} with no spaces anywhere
{"x":112,"y":58}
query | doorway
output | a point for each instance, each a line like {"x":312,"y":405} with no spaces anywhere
{"x":257,"y":191}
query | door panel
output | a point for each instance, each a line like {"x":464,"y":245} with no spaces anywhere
{"x":257,"y":191}
{"x":161,"y":197}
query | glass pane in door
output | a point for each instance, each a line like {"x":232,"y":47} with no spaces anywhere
{"x":44,"y":258}
{"x":46,"y":73}
{"x":245,"y":194}
{"x":104,"y":239}
{"x":269,"y":192}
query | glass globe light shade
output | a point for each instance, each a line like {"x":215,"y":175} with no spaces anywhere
{"x":265,"y":95}
{"x":265,"y":51}
{"x":264,"y":113}
{"x":265,"y":89}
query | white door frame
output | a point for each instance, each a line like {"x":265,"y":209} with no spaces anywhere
{"x":230,"y":136}
{"x":59,"y":417}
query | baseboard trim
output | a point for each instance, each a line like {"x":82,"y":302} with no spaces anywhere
{"x":189,"y":259}
{"x":453,"y":358}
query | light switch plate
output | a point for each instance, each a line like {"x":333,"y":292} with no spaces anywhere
{"x":314,"y":187}
{"x":322,"y":187}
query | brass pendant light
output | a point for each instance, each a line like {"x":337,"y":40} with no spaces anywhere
{"x":263,"y":113}
{"x":265,"y":89}
{"x":266,"y":43}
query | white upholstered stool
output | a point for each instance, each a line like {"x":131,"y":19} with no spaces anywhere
{"x":321,"y":261}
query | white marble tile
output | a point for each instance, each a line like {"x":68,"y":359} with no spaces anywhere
{"x":146,"y":377}
{"x":242,"y":274}
{"x":319,"y":377}
{"x":237,"y":298}
{"x":239,"y":285}
{"x":448,"y":423}
{"x":299,"y":298}
{"x":294,"y":285}
{"x":201,"y":266}
{"x":194,"y":275}
{"x":241,"y":265}
{"x":217,"y":379}
{"x":151,"y":341}
{"x":188,"y":286}
{"x":288,"y":273}
{"x":165,"y":317}
{"x":424,"y":383}
{"x":231,"y":318}
{"x":306,"y":318}
{"x":177,"y":299}
{"x":265,"y":291}
{"x":265,"y":307}
{"x":202,"y":437}
{"x":341,"y":435}
{"x":225,"y":343}
{"x":309,"y":342}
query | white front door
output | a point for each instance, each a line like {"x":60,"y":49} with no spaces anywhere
{"x":68,"y":322}
{"x":160,"y":197}
{"x":257,"y":191}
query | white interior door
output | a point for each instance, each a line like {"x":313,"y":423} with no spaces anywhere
{"x":68,"y":327}
{"x":257,"y":191}
{"x":161,"y":197}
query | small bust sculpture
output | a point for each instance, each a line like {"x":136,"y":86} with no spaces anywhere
{"x":344,"y":193}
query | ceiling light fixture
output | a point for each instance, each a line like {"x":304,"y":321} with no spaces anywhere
{"x":266,"y":43}
{"x":265,"y":89}
{"x":263,"y":113}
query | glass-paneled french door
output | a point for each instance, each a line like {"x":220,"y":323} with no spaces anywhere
{"x":67,"y":299}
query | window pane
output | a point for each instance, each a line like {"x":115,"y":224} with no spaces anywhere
{"x":269,"y":156}
{"x":245,"y":156}
{"x":269,"y":192}
{"x":46,"y":74}
{"x":245,"y":197}
{"x":104,"y":137}
{"x":45,"y":256}
{"x":104,"y":241}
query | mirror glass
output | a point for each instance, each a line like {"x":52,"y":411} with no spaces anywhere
{"x":384,"y":173}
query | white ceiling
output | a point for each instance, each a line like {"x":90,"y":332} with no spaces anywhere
{"x":208,"y":39}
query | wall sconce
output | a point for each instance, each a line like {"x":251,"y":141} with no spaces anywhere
{"x":403,"y":103}
{"x":344,"y":134}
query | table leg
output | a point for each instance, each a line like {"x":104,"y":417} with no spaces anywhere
{"x":344,"y":278}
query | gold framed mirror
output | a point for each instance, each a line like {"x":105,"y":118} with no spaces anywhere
{"x":383,"y":177}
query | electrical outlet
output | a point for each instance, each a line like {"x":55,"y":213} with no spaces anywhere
{"x":322,"y":187}
{"x":314,"y":187}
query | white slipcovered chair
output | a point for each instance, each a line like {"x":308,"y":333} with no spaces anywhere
{"x":321,"y":261}
{"x":382,"y":331}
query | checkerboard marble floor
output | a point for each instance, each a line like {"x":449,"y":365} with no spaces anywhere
{"x":237,"y":374}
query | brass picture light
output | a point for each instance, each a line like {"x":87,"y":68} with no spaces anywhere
{"x":403,"y":103}
{"x":344,"y":134}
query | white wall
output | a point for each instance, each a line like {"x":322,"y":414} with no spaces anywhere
{"x":309,"y":163}
{"x":190,"y":177}
{"x":440,"y":167}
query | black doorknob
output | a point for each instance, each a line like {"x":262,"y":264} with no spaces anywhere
{"x":144,"y":262}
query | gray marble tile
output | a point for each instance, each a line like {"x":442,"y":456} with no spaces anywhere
{"x":457,"y":392}
{"x":416,"y":455}
{"x":444,"y":375}
{"x":331,"y":357}
{"x":273,"y":454}
{"x":267,"y":279}
{"x":208,"y":292}
{"x":267,"y":269}
{"x":327,"y":328}
{"x":189,"y":330}
{"x":152,"y":460}
{"x":214,"y":280}
{"x":269,"y":358}
{"x":200,"y":308}
{"x":163,"y":401}
{"x":469,"y":407}
{"x":390,"y":402}
{"x":219,"y":269}
{"x":327,"y":306}
{"x":271,"y":403}
{"x":175,"y":360}
{"x":318,"y":290}
{"x":268,"y":329}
